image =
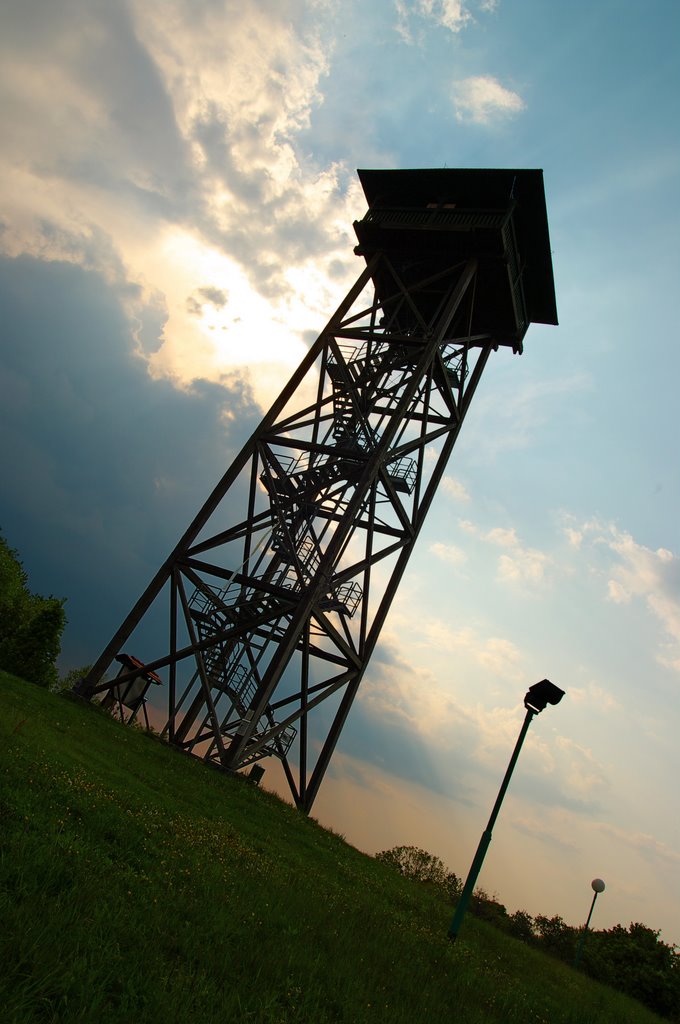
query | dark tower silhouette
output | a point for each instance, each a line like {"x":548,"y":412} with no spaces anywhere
{"x":275,"y":596}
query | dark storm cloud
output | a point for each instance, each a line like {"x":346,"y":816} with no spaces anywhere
{"x":400,"y":749}
{"x":101,"y":468}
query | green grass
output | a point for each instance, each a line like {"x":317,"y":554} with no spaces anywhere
{"x":138,"y":885}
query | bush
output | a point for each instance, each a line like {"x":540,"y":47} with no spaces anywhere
{"x":636,"y":961}
{"x":521,"y":925}
{"x":69,"y":679}
{"x":556,"y":937}
{"x":30,"y":625}
{"x":488,"y":908}
{"x":421,"y":866}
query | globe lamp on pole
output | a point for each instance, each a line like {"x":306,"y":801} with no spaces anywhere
{"x":598,"y":886}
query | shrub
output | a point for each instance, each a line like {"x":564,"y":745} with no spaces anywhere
{"x":421,"y":866}
{"x":30,"y":625}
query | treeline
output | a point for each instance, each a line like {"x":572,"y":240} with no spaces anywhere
{"x":633,"y":960}
{"x":30,"y":625}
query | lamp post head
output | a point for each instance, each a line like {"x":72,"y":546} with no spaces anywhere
{"x":541,"y":694}
{"x":598,"y":885}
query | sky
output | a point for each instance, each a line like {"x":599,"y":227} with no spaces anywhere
{"x":177,"y":191}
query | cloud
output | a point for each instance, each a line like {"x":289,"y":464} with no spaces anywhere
{"x":481,"y":99}
{"x":518,"y":564}
{"x":102,"y":467}
{"x":454,"y":488}
{"x":526,"y":565}
{"x":158,"y":143}
{"x":418,"y":727}
{"x":449,"y":553}
{"x":498,"y":656}
{"x":400,"y":687}
{"x":594,"y":696}
{"x":583,"y":774}
{"x":638,"y":572}
{"x":504,"y":537}
{"x":215,"y":296}
{"x":501,"y":657}
{"x":648,"y":847}
{"x":551,"y":833}
{"x":574,"y":537}
{"x":453,"y":15}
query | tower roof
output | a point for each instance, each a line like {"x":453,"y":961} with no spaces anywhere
{"x":482,"y":189}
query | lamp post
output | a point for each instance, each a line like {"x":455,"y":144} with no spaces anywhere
{"x":597,"y":886}
{"x":535,"y":701}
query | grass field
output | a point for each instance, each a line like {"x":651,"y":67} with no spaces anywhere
{"x":138,"y":885}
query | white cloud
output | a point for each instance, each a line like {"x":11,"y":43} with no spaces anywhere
{"x":594,"y":696}
{"x":639,"y":572}
{"x":617,"y":593}
{"x":518,"y":564}
{"x":574,"y":537}
{"x":501,"y":657}
{"x":481,"y":99}
{"x":526,"y":565}
{"x":504,"y":537}
{"x":453,"y":15}
{"x":449,"y":553}
{"x":498,"y":656}
{"x":453,"y":487}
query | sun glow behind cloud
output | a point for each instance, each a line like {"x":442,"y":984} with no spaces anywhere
{"x":192,"y":184}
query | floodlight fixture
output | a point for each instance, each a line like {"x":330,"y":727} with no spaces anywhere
{"x":541,"y":694}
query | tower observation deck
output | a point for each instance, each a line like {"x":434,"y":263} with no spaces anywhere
{"x":257,"y":630}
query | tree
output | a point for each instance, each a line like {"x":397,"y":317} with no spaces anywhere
{"x":636,"y":961}
{"x":488,"y":908}
{"x":69,"y":679}
{"x":555,"y":936}
{"x":421,"y":866}
{"x":30,"y":625}
{"x":521,"y":925}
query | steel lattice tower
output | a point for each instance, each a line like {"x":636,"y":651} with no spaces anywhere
{"x":275,"y":596}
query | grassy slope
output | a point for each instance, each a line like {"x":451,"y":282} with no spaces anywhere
{"x":138,"y":885}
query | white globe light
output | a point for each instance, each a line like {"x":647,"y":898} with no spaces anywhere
{"x":598,"y":885}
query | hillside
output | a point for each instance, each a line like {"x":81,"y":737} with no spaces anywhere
{"x":137,"y":885}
